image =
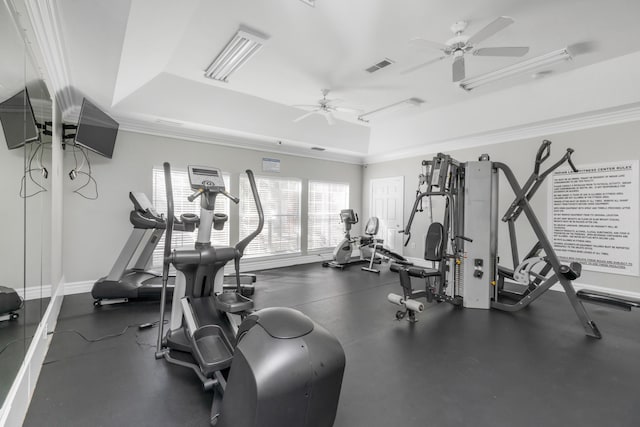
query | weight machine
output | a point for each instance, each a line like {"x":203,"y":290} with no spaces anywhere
{"x":465,"y":270}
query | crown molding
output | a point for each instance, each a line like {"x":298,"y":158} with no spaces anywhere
{"x":47,"y":30}
{"x":247,"y":142}
{"x":610,"y":116}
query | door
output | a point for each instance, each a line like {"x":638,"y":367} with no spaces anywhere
{"x":387,"y":203}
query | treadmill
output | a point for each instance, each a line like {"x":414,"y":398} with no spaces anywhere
{"x":10,"y":303}
{"x":138,"y":283}
{"x":124,"y":284}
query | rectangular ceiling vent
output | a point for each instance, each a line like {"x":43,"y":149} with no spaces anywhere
{"x":168,"y":122}
{"x":318,"y":148}
{"x":380,"y":65}
{"x":311,"y":3}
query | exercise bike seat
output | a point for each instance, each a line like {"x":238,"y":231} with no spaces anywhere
{"x":232,"y":302}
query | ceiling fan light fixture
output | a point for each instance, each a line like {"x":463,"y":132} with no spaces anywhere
{"x":520,"y":68}
{"x":242,"y":47}
{"x":396,"y":106}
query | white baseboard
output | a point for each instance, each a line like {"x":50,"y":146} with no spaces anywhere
{"x":16,"y":404}
{"x":34,"y":292}
{"x":72,"y":288}
{"x":266,"y":264}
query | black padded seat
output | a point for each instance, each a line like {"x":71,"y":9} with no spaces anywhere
{"x":415,"y":271}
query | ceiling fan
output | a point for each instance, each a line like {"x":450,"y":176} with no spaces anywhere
{"x":461,"y":44}
{"x":325,"y":108}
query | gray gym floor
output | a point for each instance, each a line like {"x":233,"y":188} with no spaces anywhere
{"x":15,"y":338}
{"x":454,"y":367}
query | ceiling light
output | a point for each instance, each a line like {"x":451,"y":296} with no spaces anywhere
{"x":311,"y":3}
{"x":239,"y":50}
{"x":407,"y":103}
{"x":515,"y":69}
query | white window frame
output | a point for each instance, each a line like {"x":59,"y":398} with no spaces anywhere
{"x":328,"y":215}
{"x":273,"y":221}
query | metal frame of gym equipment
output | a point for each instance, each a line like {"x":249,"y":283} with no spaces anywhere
{"x":10,"y":303}
{"x":377,"y":246}
{"x":124,"y":284}
{"x":275,"y":368}
{"x":470,"y":191}
{"x":342,"y":252}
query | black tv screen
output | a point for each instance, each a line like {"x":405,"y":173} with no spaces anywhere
{"x":18,"y":121}
{"x":96,"y":130}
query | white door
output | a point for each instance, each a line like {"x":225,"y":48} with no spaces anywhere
{"x":387,"y":203}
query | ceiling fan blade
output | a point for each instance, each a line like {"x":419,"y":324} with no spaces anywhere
{"x":501,"y":51}
{"x":427,"y":44}
{"x":424,"y":64}
{"x":306,"y":106}
{"x":458,"y":68}
{"x":330,"y":119}
{"x":498,"y":24}
{"x":304,"y":116}
{"x":347,"y":110}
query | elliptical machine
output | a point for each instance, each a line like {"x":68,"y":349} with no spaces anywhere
{"x":276,"y":368}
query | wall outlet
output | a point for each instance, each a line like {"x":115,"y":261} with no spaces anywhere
{"x":413,"y":245}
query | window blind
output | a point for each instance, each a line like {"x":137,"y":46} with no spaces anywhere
{"x":326,"y":199}
{"x":182,"y":190}
{"x":281,"y":205}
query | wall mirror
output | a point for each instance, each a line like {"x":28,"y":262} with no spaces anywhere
{"x":25,"y":160}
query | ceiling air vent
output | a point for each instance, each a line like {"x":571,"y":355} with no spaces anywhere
{"x":318,"y":148}
{"x":384,"y":63}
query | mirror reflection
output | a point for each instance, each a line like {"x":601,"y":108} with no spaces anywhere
{"x":25,"y":110}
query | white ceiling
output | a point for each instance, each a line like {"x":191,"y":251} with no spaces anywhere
{"x":143,"y":60}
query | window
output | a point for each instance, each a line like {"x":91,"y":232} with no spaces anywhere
{"x":326,"y":199}
{"x":182,"y":190}
{"x":280,"y":199}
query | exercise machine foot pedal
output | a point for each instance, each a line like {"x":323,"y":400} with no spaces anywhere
{"x":232,"y":302}
{"x":212,"y":349}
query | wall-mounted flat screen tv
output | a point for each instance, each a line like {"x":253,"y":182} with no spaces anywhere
{"x":96,"y":130}
{"x":18,"y":122}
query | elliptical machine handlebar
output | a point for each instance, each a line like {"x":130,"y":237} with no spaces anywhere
{"x":200,"y":191}
{"x":242,"y":244}
{"x":167,"y":256}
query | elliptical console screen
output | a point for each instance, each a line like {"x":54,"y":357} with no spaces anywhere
{"x":206,"y":178}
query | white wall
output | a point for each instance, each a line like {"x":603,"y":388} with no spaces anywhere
{"x":14,"y":211}
{"x":96,"y":230}
{"x":603,"y":144}
{"x":11,"y":215}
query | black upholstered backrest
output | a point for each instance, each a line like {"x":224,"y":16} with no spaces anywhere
{"x":434,"y":243}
